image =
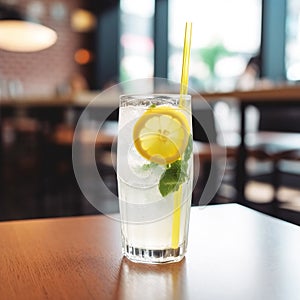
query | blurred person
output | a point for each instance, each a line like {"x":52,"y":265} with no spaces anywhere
{"x":252,"y":78}
{"x":251,"y":75}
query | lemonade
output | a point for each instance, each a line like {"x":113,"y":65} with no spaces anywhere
{"x":155,"y":174}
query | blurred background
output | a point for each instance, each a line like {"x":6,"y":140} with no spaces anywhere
{"x":101,"y":43}
{"x":104,"y":42}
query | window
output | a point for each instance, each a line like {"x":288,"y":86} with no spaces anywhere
{"x":225,"y":35}
{"x":136,"y":39}
{"x":292,"y":60}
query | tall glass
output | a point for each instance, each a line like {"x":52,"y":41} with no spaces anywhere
{"x":155,"y":176}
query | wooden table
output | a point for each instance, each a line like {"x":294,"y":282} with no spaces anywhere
{"x":273,"y":94}
{"x":233,"y":253}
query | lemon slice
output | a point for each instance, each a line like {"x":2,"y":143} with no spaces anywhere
{"x":161,"y":134}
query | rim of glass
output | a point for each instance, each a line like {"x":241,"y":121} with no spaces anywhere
{"x":155,"y":95}
{"x":147,"y":99}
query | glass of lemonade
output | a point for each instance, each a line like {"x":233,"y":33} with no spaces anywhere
{"x":155,"y":176}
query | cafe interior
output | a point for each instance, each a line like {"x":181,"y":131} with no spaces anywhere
{"x":64,"y":65}
{"x":247,"y":74}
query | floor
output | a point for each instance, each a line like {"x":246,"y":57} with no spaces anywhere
{"x":287,"y":207}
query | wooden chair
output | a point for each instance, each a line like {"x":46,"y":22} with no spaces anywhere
{"x":277,"y":139}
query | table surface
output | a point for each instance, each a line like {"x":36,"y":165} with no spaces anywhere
{"x":271,"y":94}
{"x":233,"y":253}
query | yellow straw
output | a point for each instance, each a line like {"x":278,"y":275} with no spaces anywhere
{"x":183,"y":91}
{"x":186,"y":60}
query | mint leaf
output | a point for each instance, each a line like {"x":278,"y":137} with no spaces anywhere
{"x":189,"y":149}
{"x":149,"y":166}
{"x":171,"y":179}
{"x":176,"y":173}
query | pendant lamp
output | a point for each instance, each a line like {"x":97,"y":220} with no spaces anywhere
{"x":19,"y":35}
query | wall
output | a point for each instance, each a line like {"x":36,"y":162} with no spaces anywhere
{"x":43,"y":72}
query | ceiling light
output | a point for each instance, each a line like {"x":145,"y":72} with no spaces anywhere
{"x":19,"y":35}
{"x":83,"y":20}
